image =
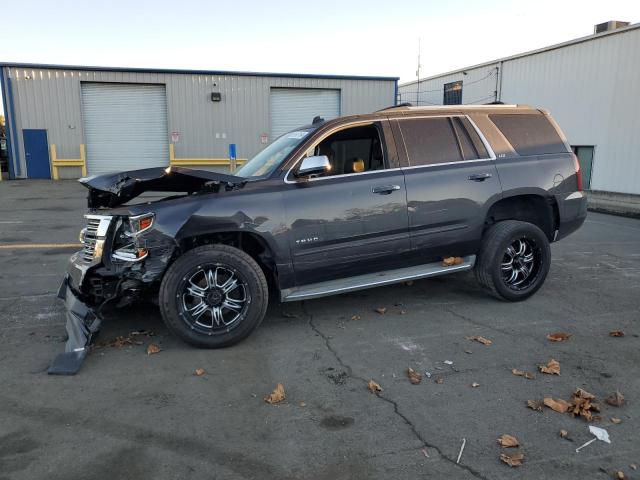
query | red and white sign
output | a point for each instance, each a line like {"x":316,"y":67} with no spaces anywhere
{"x":264,"y":138}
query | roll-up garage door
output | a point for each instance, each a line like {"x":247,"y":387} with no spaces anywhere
{"x":125,"y":126}
{"x":294,"y":107}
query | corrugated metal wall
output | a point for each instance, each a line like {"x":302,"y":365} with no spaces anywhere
{"x":50,"y":98}
{"x":591,"y":88}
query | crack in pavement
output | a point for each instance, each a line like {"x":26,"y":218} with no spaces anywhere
{"x":388,"y":400}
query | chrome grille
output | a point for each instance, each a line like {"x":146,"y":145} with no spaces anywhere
{"x":93,"y":236}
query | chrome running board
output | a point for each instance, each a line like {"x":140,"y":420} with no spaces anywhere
{"x":370,"y":280}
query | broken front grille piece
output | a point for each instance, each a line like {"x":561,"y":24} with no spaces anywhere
{"x":93,"y":237}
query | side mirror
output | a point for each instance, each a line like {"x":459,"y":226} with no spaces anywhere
{"x":314,"y":166}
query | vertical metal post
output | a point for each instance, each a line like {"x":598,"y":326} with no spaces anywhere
{"x":232,"y":157}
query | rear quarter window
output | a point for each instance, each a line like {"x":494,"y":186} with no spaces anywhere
{"x":529,"y":134}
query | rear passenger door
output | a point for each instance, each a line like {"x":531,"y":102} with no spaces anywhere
{"x":451,"y":179}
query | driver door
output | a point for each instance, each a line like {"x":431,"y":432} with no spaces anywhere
{"x":353,"y":219}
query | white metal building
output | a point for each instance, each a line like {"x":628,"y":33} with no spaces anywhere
{"x":590,"y":85}
{"x":110,"y":119}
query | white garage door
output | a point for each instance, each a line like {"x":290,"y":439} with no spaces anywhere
{"x":125,"y":126}
{"x":294,"y":107}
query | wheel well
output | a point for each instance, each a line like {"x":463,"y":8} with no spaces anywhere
{"x":535,"y":209}
{"x":249,"y":243}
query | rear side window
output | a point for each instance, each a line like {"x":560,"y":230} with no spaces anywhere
{"x":529,"y":133}
{"x":429,"y":140}
{"x":471,"y":146}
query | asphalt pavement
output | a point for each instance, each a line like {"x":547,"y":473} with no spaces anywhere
{"x":129,"y":415}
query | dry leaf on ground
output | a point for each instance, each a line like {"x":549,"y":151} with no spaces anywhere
{"x":521,"y":373}
{"x":513,"y":460}
{"x":619,"y":475}
{"x":355,"y":317}
{"x":616,"y":333}
{"x":558,"y":337}
{"x":559,"y":405}
{"x":276,"y":396}
{"x":615,"y":420}
{"x":451,"y":261}
{"x":199,"y":372}
{"x":439,"y":380}
{"x":581,"y":404}
{"x":616,"y":399}
{"x":153,"y":348}
{"x":381,"y":310}
{"x":414,"y":377}
{"x":564,"y":433}
{"x":374,"y":387}
{"x":482,"y":340}
{"x":535,"y":405}
{"x":303,"y":404}
{"x":508,"y":441}
{"x":552,"y":368}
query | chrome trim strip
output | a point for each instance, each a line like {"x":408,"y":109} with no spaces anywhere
{"x":291,"y":295}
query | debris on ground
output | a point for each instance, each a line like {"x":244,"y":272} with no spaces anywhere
{"x":122,"y":341}
{"x":381,"y":310}
{"x":448,"y":362}
{"x":508,"y":441}
{"x":522,"y":373}
{"x":414,"y":377}
{"x":564,"y":434}
{"x":619,"y":475}
{"x":408,"y":283}
{"x":152,"y":349}
{"x":599,"y":434}
{"x":303,"y":404}
{"x":276,"y":396}
{"x":355,"y":317}
{"x":616,"y":399}
{"x":374,"y":387}
{"x":464,"y":442}
{"x":551,"y":368}
{"x":535,"y":405}
{"x":582,"y":405}
{"x":558,"y":336}
{"x":616,"y":333}
{"x":633,"y":466}
{"x":482,"y":340}
{"x":199,"y":372}
{"x":451,"y":261}
{"x":439,"y":380}
{"x":289,"y":315}
{"x":427,"y":374}
{"x":474,"y":384}
{"x":616,"y":420}
{"x":559,"y":405}
{"x":513,"y":460}
{"x":425,"y":453}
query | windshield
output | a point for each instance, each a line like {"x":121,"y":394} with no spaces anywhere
{"x":268,"y":159}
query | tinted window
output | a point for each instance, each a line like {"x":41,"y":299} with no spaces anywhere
{"x":354,"y":150}
{"x":429,"y":141}
{"x":530,"y":133}
{"x":470,"y":143}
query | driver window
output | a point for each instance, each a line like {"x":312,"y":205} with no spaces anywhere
{"x":353,"y":150}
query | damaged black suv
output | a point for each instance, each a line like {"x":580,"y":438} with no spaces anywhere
{"x":332,"y":207}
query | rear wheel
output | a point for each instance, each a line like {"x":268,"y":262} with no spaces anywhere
{"x":213,"y":296}
{"x":514,"y":260}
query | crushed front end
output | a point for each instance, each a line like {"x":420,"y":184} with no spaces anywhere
{"x":122,"y":259}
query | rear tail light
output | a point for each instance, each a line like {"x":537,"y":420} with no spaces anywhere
{"x":576,"y":164}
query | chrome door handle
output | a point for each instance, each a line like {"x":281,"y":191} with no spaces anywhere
{"x":479,"y":177}
{"x":385,"y":189}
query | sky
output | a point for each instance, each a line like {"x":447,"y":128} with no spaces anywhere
{"x":328,"y":37}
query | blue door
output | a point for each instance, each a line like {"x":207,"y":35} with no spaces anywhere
{"x":36,"y":151}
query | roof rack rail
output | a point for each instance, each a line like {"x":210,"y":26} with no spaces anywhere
{"x":405,"y":104}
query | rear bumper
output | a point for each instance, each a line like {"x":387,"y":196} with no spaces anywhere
{"x":82,"y":324}
{"x":573,"y":211}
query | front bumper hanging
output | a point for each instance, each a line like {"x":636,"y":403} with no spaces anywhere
{"x":82,"y":324}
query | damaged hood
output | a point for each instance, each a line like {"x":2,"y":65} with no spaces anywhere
{"x":114,"y":189}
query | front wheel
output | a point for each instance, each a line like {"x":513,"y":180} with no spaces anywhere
{"x":213,"y":296}
{"x":514,"y":260}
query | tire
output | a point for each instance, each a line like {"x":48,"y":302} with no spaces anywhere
{"x":496,"y":264}
{"x":200,"y":302}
